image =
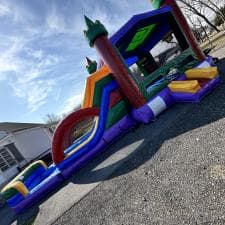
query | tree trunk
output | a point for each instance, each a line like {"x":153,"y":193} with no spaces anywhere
{"x":206,"y":34}
{"x":194,"y":27}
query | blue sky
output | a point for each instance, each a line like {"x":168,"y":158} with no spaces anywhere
{"x":42,"y":51}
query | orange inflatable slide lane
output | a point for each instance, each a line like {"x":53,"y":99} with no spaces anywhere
{"x":90,"y":85}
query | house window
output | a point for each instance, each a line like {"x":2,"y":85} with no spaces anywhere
{"x":12,"y":148}
{"x":6,"y":159}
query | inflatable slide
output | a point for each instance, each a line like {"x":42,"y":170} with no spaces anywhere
{"x":137,"y":80}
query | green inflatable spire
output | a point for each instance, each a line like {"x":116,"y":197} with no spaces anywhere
{"x":88,"y":21}
{"x":94,"y":30}
{"x":91,"y":66}
{"x":157,"y":3}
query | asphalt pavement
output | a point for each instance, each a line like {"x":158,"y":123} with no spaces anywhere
{"x":175,"y":176}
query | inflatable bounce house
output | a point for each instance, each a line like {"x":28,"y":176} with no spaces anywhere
{"x":133,"y":83}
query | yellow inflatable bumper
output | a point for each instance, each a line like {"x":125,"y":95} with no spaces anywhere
{"x":201,"y":73}
{"x":187,"y":86}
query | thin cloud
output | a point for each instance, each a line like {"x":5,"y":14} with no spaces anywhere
{"x":42,"y":47}
{"x":4,"y":10}
{"x":36,"y":93}
{"x":26,"y":75}
{"x":55,"y":22}
{"x":71,"y":103}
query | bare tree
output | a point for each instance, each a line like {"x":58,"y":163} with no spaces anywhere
{"x":194,"y":25}
{"x":218,"y":20}
{"x":51,"y":121}
{"x":203,"y":28}
{"x":195,"y":8}
{"x":219,"y":10}
{"x":213,"y":7}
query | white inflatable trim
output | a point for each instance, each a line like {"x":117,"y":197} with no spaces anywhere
{"x":157,"y":105}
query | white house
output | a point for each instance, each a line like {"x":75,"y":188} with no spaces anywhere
{"x":21,"y":143}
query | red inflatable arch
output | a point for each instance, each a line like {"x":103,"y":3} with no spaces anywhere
{"x":62,"y":135}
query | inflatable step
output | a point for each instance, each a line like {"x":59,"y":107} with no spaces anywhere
{"x":199,"y":73}
{"x":186,"y":86}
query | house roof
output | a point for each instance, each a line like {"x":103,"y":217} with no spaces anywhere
{"x":10,"y":127}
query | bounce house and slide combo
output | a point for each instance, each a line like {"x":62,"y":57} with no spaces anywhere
{"x":132,"y":84}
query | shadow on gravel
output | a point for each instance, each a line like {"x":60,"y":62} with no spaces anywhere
{"x":177,"y":120}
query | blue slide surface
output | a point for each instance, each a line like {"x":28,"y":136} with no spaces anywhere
{"x":105,"y":98}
